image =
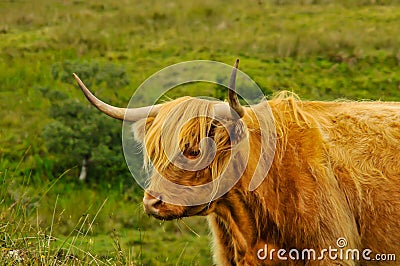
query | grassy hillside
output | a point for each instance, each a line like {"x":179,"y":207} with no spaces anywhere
{"x":320,"y":49}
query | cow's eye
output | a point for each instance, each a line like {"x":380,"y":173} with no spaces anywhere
{"x":193,"y":153}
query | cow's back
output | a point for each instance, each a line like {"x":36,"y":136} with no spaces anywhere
{"x":363,"y":144}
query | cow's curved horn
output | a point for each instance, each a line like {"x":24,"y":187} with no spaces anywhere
{"x":128,"y":114}
{"x":232,"y":96}
{"x":222,"y":110}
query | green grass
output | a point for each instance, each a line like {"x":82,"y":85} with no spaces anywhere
{"x":281,"y":46}
{"x":53,"y":221}
{"x":320,"y":49}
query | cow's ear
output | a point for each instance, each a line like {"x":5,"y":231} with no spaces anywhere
{"x":231,"y":134}
{"x":141,"y":127}
{"x":237,"y":131}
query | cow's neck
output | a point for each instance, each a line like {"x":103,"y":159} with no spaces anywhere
{"x":237,"y":228}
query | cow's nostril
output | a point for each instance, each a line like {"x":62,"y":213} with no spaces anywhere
{"x":157,"y":203}
{"x":151,"y":204}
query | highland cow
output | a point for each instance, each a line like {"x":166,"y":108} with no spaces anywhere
{"x":335,"y":175}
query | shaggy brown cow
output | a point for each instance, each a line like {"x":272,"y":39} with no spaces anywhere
{"x":335,"y":177}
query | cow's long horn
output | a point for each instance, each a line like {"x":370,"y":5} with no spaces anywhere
{"x":232,"y":96}
{"x":222,"y":110}
{"x":128,"y":114}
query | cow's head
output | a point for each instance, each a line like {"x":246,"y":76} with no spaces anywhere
{"x":187,"y":142}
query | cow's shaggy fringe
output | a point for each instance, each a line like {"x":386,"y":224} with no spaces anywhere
{"x":335,"y":173}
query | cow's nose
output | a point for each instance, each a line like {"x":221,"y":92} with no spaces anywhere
{"x":151,"y":204}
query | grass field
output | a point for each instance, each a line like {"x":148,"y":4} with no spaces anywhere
{"x":320,"y":49}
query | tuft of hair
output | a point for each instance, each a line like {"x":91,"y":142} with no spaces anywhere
{"x":181,"y":123}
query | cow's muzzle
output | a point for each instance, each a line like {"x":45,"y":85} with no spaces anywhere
{"x":151,"y":204}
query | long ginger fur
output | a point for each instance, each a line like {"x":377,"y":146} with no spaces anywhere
{"x":335,"y":173}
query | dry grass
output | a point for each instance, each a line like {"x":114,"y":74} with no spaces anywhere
{"x":321,"y":49}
